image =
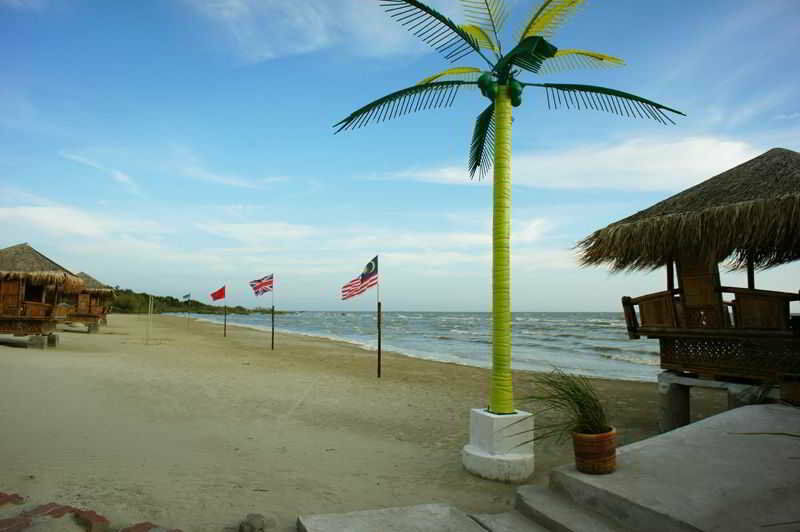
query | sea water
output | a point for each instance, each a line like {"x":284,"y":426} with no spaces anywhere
{"x":587,"y":343}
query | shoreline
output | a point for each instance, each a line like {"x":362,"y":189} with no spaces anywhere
{"x":410,"y":353}
{"x":194,"y":430}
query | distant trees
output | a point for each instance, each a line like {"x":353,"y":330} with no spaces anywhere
{"x":129,"y":302}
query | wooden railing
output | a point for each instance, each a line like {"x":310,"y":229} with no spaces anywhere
{"x":751,"y":310}
{"x":33,"y":309}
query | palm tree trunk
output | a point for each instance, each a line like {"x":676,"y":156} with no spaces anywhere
{"x":501,"y":400}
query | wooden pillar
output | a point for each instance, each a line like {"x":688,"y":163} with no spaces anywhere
{"x":674,"y":399}
{"x":751,"y":274}
{"x":670,"y":275}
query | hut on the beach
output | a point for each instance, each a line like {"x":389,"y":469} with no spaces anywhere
{"x":92,"y":305}
{"x":33,"y":291}
{"x":747,"y":217}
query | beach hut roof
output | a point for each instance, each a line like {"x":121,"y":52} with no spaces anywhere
{"x":750,"y":211}
{"x":24,"y":262}
{"x":92,"y":285}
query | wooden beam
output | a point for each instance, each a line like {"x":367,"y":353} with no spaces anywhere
{"x":670,"y":276}
{"x":751,"y":274}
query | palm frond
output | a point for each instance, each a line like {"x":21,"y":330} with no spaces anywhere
{"x":489,"y":15}
{"x":529,"y":54}
{"x":409,"y":100}
{"x":481,"y":151}
{"x":481,"y":37}
{"x":573,"y":59}
{"x":604,"y":99}
{"x":436,"y":30}
{"x":461,"y":73}
{"x":549,"y":16}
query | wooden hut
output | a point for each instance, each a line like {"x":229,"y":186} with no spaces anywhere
{"x":748,"y":217}
{"x":32,"y":291}
{"x":92,"y":305}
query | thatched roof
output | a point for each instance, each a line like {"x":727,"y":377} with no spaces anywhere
{"x":752,"y":210}
{"x":24,"y":262}
{"x":93,"y":286}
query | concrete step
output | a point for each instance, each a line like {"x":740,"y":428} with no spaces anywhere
{"x":593,"y":496}
{"x":422,"y":518}
{"x":507,"y":522}
{"x":556,"y":512}
{"x":707,"y":476}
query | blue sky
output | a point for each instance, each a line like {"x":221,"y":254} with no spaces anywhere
{"x":177,"y":145}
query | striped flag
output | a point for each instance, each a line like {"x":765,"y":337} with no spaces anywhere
{"x":367,"y":279}
{"x":263,"y":285}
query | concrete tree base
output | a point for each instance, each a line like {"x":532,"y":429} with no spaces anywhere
{"x":497,"y":448}
{"x":37,"y":341}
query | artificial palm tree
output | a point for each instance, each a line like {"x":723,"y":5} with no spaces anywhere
{"x":491,"y":138}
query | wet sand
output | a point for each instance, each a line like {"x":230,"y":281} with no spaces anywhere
{"x":194,"y":430}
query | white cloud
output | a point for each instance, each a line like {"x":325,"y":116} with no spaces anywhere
{"x":640,"y":164}
{"x":17,"y":196}
{"x":53,"y":219}
{"x":117,"y":175}
{"x":759,"y":106}
{"x":788,"y":116}
{"x":259,"y":30}
{"x":189,"y":164}
{"x":23,"y":4}
{"x":58,"y":219}
{"x":259,"y":232}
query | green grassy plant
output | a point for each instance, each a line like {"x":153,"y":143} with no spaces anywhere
{"x":574,"y":401}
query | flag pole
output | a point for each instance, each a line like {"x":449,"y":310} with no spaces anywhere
{"x":378,"y":285}
{"x":225,"y":313}
{"x":273,"y":312}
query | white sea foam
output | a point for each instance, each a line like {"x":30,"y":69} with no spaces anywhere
{"x":590,"y":344}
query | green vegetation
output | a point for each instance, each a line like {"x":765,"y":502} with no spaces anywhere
{"x":573,"y":399}
{"x":130,"y":302}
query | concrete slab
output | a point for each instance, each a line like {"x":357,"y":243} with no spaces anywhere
{"x":422,"y":518}
{"x":557,"y":512}
{"x":706,"y":476}
{"x":507,"y":522}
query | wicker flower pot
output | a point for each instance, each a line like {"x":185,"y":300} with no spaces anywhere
{"x":595,"y":454}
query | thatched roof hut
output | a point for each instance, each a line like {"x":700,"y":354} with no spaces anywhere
{"x":750,"y":213}
{"x":24,"y":262}
{"x":93,"y":286}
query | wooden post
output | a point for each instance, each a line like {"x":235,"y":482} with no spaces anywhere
{"x":379,"y":339}
{"x":273,"y":327}
{"x":225,"y":321}
{"x":670,"y":276}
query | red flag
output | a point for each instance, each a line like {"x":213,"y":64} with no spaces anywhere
{"x":219,"y":294}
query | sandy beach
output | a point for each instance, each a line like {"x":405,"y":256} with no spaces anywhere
{"x":194,"y":430}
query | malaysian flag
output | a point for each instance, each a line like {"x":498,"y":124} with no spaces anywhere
{"x":263,"y":285}
{"x":359,"y":285}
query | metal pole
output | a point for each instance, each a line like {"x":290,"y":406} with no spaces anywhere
{"x":225,"y":322}
{"x":273,"y":312}
{"x":149,"y":319}
{"x":379,"y":339}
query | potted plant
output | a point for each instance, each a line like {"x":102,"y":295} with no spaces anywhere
{"x":583,"y":417}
